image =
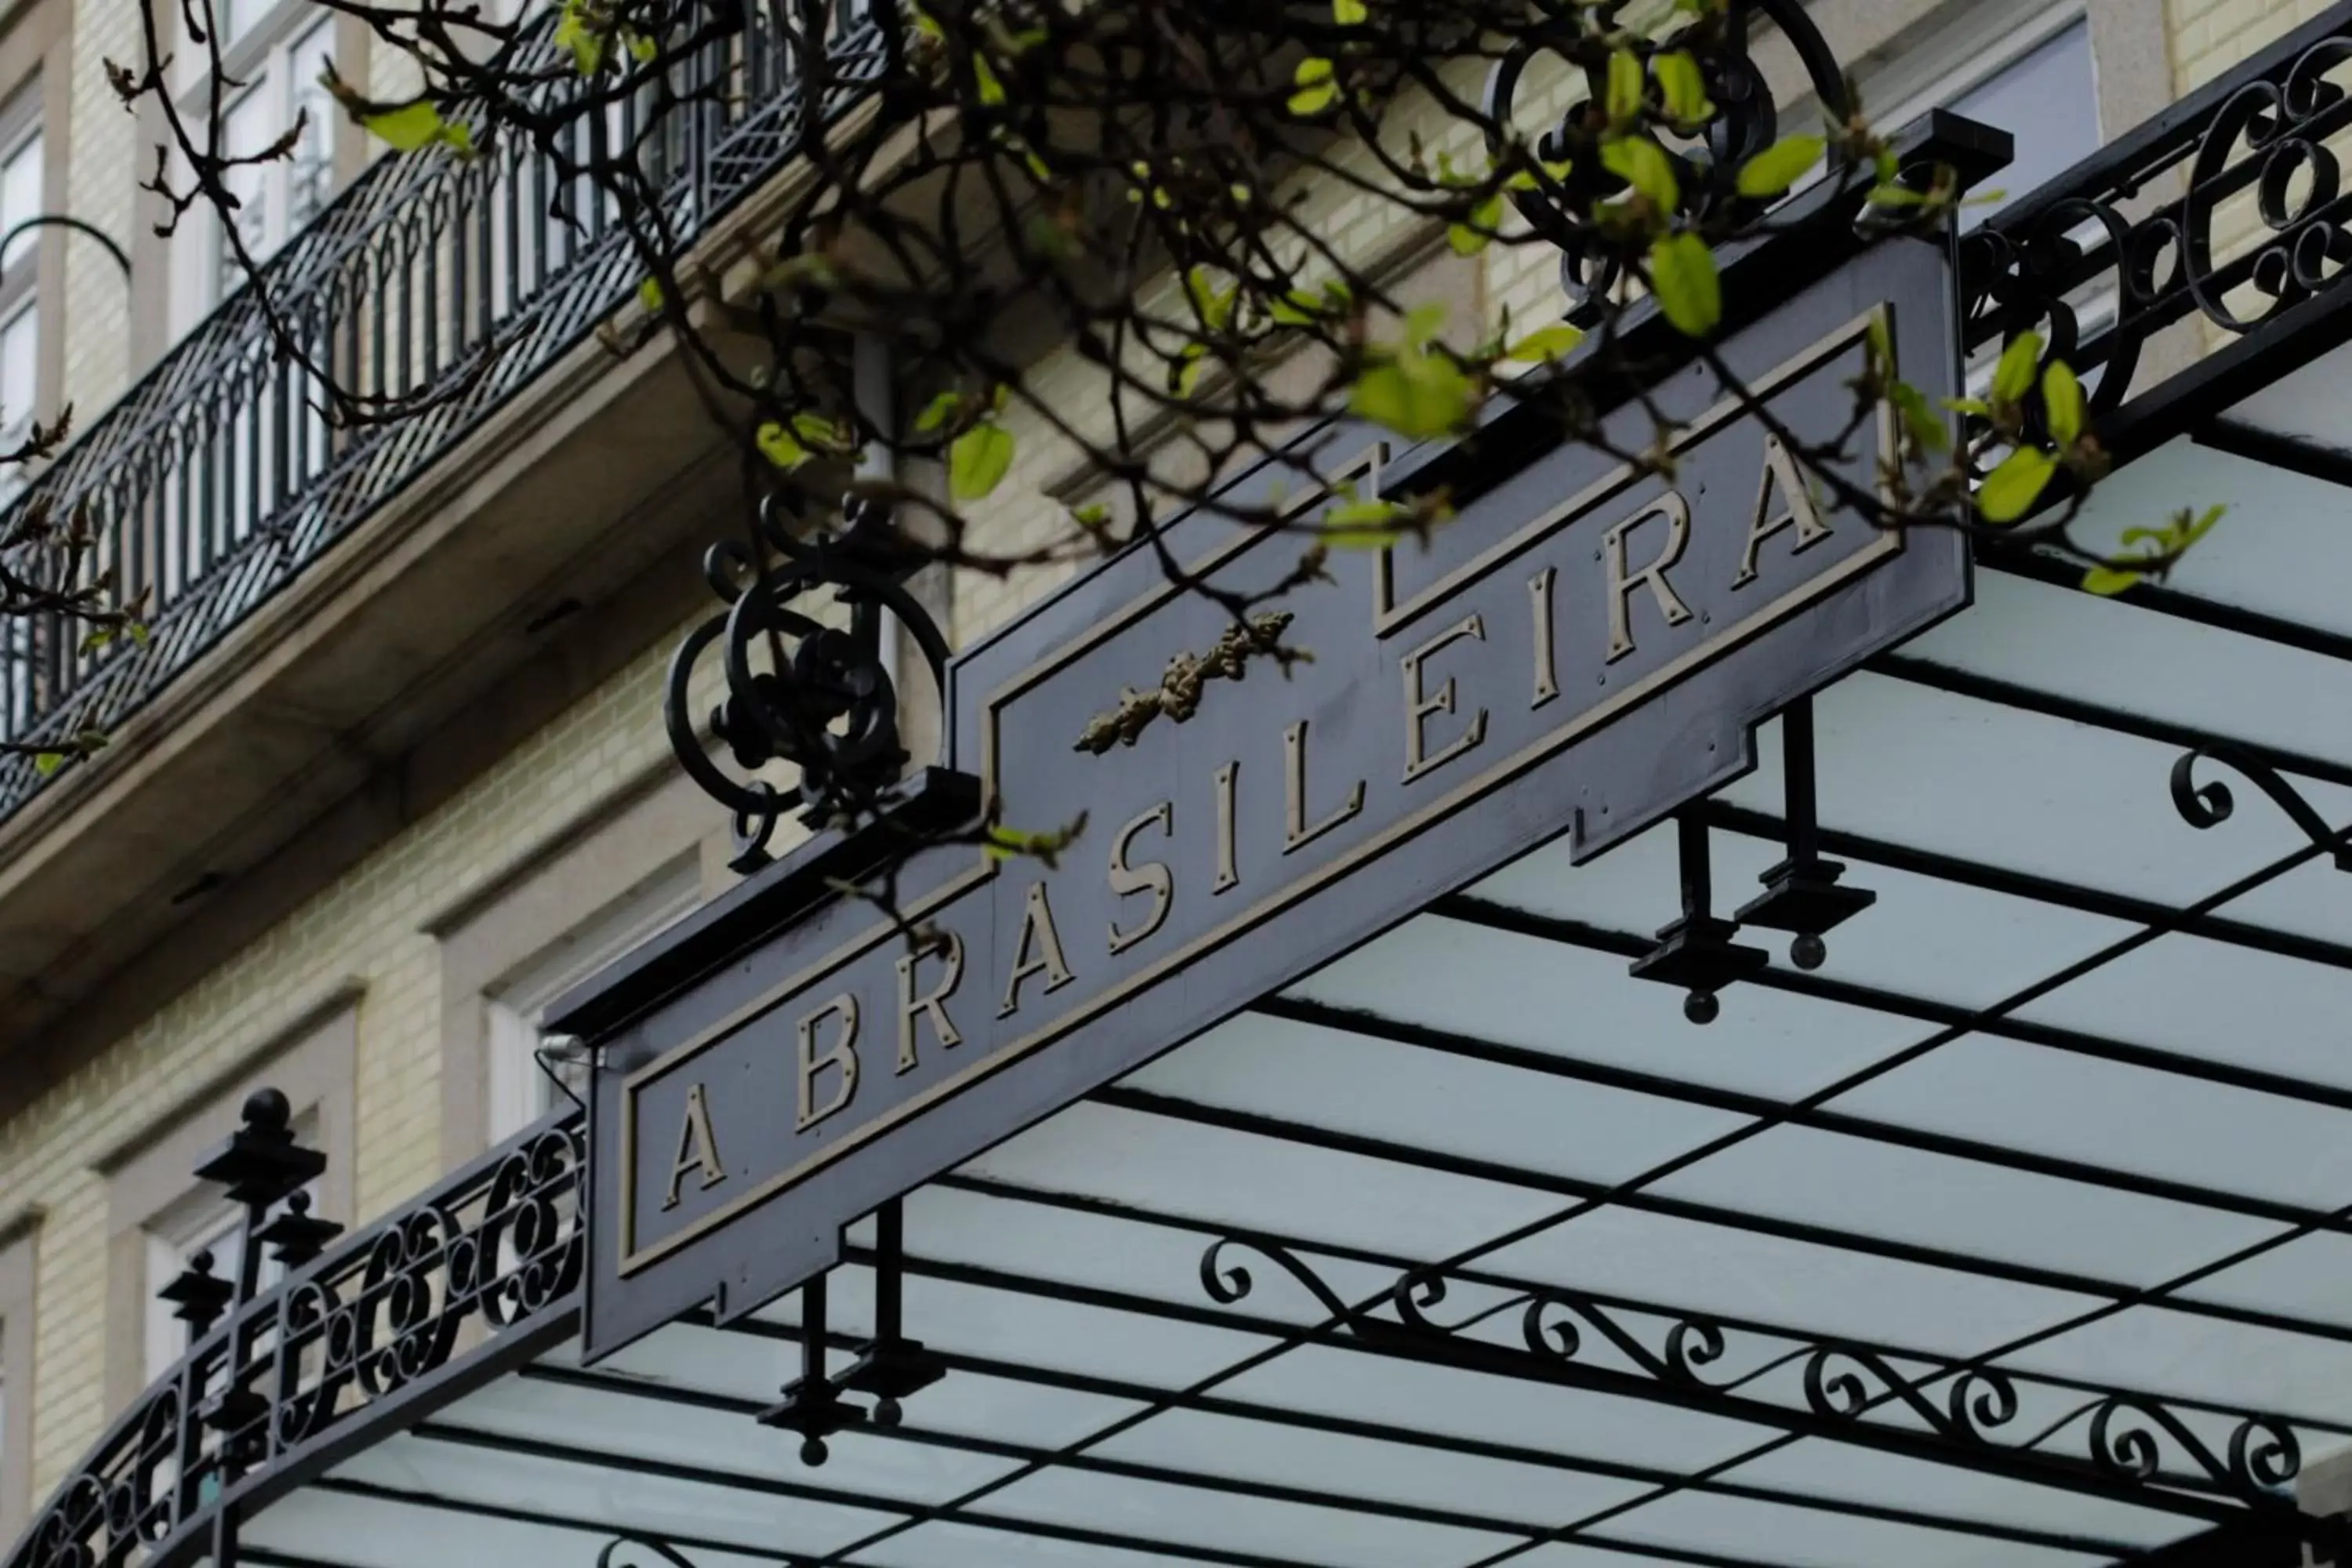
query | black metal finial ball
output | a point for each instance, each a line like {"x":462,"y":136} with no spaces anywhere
{"x":888,"y":1412}
{"x":200,"y":1261}
{"x":268,"y":1108}
{"x":814,"y":1452}
{"x":1701,"y":1007}
{"x":1809,"y":951}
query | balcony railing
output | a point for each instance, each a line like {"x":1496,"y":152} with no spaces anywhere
{"x":216,"y":480}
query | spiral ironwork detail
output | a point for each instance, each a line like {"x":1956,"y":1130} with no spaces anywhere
{"x":501,"y":1244}
{"x":2093,"y":241}
{"x":1906,"y":1402}
{"x":814,"y":696}
{"x":1743,"y":124}
{"x":2209,"y":804}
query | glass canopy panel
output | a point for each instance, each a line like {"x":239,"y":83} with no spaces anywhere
{"x":1891,"y":1480}
{"x":1427,"y":1099}
{"x":1850,"y":1184}
{"x":2309,"y":404}
{"x":2041,"y":638}
{"x":598,"y":1485}
{"x":2128,"y":1118}
{"x":1699,"y":1523}
{"x":2310,"y":1276}
{"x":1547,"y":996}
{"x":1228,"y":1179}
{"x":2215,"y":1001}
{"x":1198,"y":1517}
{"x":1988,"y":785}
{"x":2280,"y":550}
{"x":2240,"y":1365}
{"x":318,"y":1525}
{"x":1507,"y":1493}
{"x":1926,"y":937}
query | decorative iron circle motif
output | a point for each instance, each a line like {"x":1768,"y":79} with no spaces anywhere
{"x":2261,"y":223}
{"x":1744,"y":123}
{"x":816,"y":696}
{"x":529,"y":1251}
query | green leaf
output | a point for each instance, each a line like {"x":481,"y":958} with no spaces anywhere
{"x":1094,"y":517}
{"x":47,"y":763}
{"x":1643,"y":164}
{"x":815,"y":430}
{"x":650,"y":295}
{"x":1976,"y":405}
{"x":2010,"y":491}
{"x":645,"y":49}
{"x":1471,"y":237}
{"x":1417,"y":395}
{"x":1349,"y":12}
{"x":1624,"y":102}
{"x":2014,"y":375}
{"x":1774,"y":170}
{"x":2193,"y":532}
{"x":2107,"y":579}
{"x":1314,"y":88}
{"x":1423,"y":322}
{"x":978,"y":460}
{"x":1547,"y":343}
{"x":140,"y":633}
{"x":1682,"y":88}
{"x":984,"y":81}
{"x":779,"y":446}
{"x":938,"y":412}
{"x":1366,"y":524}
{"x":1893,"y":195}
{"x":2061,"y":398}
{"x":1297,"y":309}
{"x":409,"y":127}
{"x":574,"y":32}
{"x":1920,"y":417}
{"x":1682,"y":275}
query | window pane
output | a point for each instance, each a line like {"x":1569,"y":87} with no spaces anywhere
{"x":310,"y":177}
{"x":2049,"y":103}
{"x":237,"y":16}
{"x":250,"y":125}
{"x":20,"y":196}
{"x":20,"y":355}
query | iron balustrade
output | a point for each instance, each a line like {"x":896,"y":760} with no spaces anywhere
{"x":453,"y":284}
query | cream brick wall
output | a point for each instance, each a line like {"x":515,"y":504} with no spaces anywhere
{"x":367,"y":926}
{"x":2208,"y":37}
{"x":106,"y":165}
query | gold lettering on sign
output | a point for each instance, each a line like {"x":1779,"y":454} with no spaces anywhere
{"x":1547,"y":671}
{"x":947,"y":946}
{"x":841,"y":1056}
{"x":1229,"y":875}
{"x":1153,"y":876}
{"x":1296,"y":833}
{"x":697,"y":1148}
{"x":1797,"y":508}
{"x":1622,"y":583}
{"x":1036,"y":929}
{"x":1418,"y":706}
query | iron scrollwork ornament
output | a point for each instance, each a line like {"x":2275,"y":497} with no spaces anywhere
{"x":1743,"y":123}
{"x":2081,"y":245}
{"x":1906,"y":1402}
{"x":816,"y":696}
{"x":2211,"y":804}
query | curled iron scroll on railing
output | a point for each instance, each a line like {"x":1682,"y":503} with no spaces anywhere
{"x":822,"y":698}
{"x":1953,"y":1411}
{"x":1745,"y":121}
{"x":2211,"y":804}
{"x":501,"y":1244}
{"x":2232,"y":207}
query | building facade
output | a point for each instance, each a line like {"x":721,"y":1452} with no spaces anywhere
{"x":391,"y":775}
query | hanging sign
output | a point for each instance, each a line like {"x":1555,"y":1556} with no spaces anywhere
{"x":1584,"y":647}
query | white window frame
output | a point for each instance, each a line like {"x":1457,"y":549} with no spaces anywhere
{"x":260,"y":61}
{"x":524,"y":1085}
{"x":22,"y":131}
{"x":19,"y":1241}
